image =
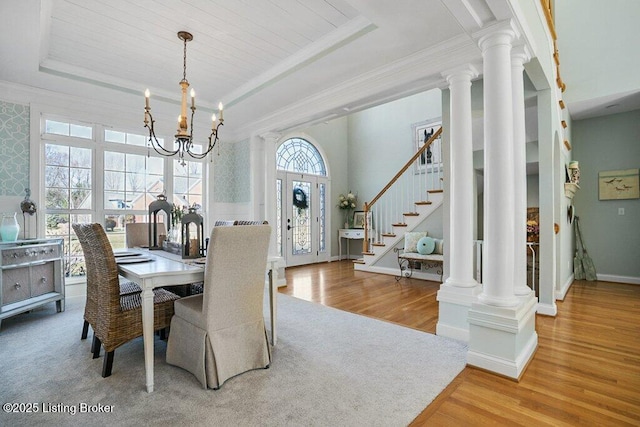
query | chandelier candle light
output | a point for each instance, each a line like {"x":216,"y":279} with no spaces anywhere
{"x":184,"y":136}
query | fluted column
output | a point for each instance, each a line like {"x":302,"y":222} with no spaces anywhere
{"x":519,"y":57}
{"x":461,"y":198}
{"x":499,"y":188}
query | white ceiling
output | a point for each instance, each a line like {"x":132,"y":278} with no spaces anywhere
{"x":275,"y":64}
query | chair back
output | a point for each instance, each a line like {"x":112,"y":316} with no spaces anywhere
{"x":103,"y":286}
{"x":243,"y":222}
{"x":223,"y":223}
{"x":137,"y":233}
{"x":235,"y":275}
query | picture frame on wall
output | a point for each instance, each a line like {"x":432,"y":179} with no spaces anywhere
{"x":358,"y":219}
{"x":431,"y":159}
{"x":619,"y":184}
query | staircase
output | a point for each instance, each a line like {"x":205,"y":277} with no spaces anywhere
{"x":403,"y":205}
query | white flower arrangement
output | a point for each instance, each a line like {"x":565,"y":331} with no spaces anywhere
{"x":347,"y":202}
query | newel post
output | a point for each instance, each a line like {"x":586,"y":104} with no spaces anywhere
{"x":365,"y":242}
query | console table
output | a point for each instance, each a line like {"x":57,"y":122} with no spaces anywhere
{"x":349,"y":234}
{"x":31,"y":275}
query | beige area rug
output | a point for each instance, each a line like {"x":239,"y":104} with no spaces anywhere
{"x":329,"y":368}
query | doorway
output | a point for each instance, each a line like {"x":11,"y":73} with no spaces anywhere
{"x":301,"y":205}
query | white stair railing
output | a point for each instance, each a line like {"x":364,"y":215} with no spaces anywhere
{"x":399,"y":197}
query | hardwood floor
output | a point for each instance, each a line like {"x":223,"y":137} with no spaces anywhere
{"x":586,"y":370}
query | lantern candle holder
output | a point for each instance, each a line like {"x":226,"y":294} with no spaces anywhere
{"x":192,"y":246}
{"x":157,"y":207}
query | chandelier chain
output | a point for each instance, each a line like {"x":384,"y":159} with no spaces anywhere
{"x":184,"y":61}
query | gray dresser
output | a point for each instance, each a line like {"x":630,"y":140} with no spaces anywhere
{"x":32,"y":275}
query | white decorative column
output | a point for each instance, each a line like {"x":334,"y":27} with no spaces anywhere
{"x":502,"y":335}
{"x":269,"y":186}
{"x":519,"y":57}
{"x":460,"y":289}
{"x":257,"y":168}
{"x":499,"y":186}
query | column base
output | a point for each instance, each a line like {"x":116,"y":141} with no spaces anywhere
{"x":454,"y":305}
{"x":503,"y":339}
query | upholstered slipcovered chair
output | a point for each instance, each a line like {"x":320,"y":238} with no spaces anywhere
{"x":221,"y":332}
{"x":115,"y":318}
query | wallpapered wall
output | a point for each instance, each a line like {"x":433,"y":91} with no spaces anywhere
{"x":14,"y":149}
{"x":231,"y":174}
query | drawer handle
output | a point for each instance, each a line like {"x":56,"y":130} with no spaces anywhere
{"x":17,"y":285}
{"x":43,"y":280}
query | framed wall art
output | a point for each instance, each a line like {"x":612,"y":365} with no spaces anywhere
{"x":358,"y":219}
{"x":431,"y":159}
{"x":619,"y":185}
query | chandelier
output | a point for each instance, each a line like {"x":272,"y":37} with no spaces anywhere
{"x":183,"y":143}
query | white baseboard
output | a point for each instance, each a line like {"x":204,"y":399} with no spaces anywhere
{"x":547,"y":309}
{"x":618,"y":279}
{"x":452,"y":332}
{"x":565,"y":288}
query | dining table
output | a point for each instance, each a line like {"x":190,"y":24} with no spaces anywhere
{"x":159,"y":268}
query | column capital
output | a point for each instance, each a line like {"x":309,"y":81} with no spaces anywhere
{"x":466,"y":71}
{"x":503,"y":32}
{"x":520,"y":55}
{"x":270,"y":136}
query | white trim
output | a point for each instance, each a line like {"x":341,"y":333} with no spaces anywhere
{"x":618,"y":279}
{"x":562,"y":292}
{"x":509,"y":368}
{"x":547,"y":309}
{"x":449,"y":331}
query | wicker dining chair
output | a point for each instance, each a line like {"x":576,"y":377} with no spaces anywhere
{"x":126,"y":288}
{"x":116,"y":319}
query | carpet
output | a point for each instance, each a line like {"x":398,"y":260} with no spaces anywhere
{"x":329,"y":367}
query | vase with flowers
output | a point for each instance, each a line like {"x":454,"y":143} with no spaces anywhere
{"x":347,"y":203}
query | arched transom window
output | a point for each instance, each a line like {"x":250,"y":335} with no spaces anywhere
{"x":299,"y":155}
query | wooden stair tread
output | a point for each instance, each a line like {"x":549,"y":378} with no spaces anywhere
{"x":368,"y":253}
{"x":378,"y":244}
{"x":435,"y":191}
{"x":399,"y":224}
{"x":411,"y":214}
{"x":423,"y":202}
{"x":388,"y":235}
{"x":358,"y":261}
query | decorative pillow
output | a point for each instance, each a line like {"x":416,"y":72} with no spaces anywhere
{"x":411,"y":240}
{"x":426,"y":245}
{"x":439,"y":248}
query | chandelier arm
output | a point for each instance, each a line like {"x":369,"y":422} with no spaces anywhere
{"x":153,"y":138}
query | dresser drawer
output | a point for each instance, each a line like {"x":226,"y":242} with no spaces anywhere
{"x":15,"y":285}
{"x":352,"y":234}
{"x":28,"y":254}
{"x":42,"y":278}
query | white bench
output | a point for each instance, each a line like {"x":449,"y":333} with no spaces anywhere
{"x":406,"y":260}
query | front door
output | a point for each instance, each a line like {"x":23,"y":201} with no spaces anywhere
{"x":302,"y":208}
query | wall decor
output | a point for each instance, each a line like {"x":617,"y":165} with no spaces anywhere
{"x":358,"y":219}
{"x":619,"y":184}
{"x":431,"y":159}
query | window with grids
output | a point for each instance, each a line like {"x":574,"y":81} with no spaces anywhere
{"x":101,"y":175}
